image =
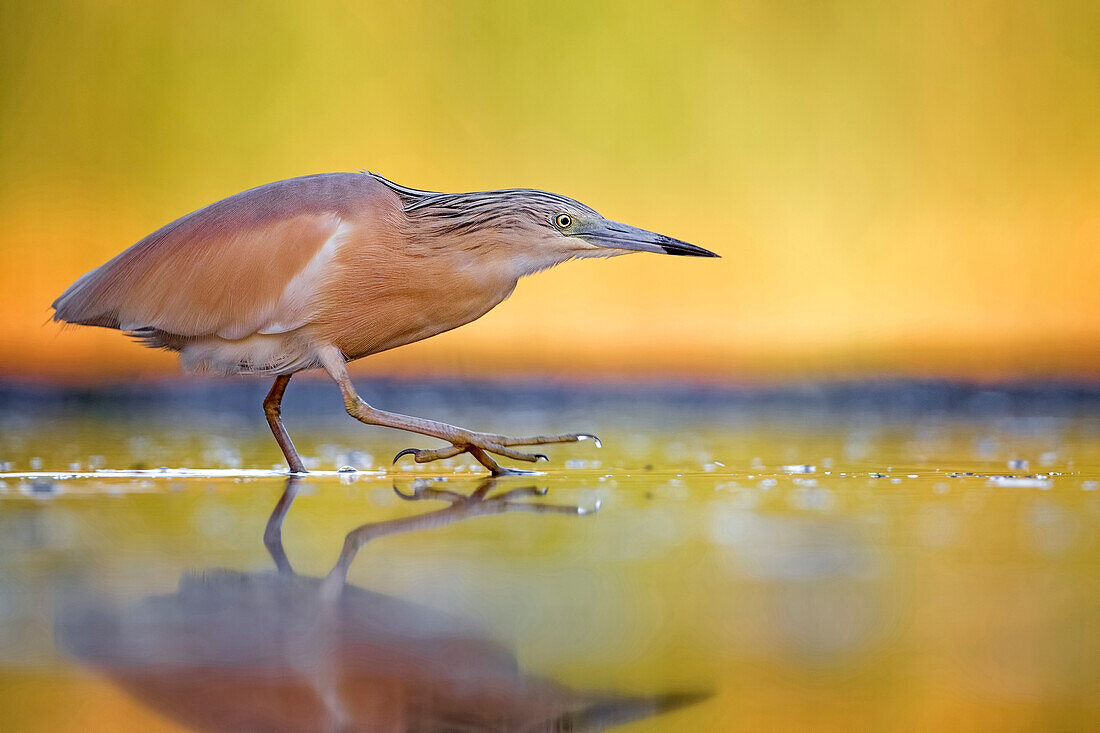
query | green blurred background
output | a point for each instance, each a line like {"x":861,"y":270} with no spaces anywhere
{"x":899,"y":188}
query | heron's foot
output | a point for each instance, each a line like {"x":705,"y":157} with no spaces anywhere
{"x":481,"y":445}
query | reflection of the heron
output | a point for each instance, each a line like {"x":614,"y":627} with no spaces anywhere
{"x":233,"y":651}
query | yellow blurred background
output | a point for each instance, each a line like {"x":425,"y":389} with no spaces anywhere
{"x":896,"y":188}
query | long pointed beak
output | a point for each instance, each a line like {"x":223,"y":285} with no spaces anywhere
{"x":613,"y":235}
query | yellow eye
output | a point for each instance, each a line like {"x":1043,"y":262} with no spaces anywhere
{"x":564,"y":221}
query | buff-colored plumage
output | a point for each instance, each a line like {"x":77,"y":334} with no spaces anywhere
{"x":315,"y":271}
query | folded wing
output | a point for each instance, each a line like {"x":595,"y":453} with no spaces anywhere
{"x":247,"y":264}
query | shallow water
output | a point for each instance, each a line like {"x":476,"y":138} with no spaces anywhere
{"x":889,"y":558}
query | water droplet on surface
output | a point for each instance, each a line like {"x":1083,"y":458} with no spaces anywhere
{"x":1020,"y":483}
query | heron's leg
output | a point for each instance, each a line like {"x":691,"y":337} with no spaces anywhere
{"x":272,"y":408}
{"x":478,"y":445}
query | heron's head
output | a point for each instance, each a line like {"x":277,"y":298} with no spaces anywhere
{"x":546,"y":223}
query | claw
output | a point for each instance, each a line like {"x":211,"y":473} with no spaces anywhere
{"x":406,"y":452}
{"x":542,"y":457}
{"x":593,"y":438}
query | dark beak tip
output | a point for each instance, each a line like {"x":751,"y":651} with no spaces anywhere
{"x":689,"y":250}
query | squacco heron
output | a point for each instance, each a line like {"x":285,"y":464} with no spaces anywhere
{"x":316,"y":271}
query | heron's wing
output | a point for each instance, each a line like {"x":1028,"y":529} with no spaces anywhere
{"x":247,"y":264}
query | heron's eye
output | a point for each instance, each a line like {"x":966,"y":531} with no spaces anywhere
{"x":564,"y":221}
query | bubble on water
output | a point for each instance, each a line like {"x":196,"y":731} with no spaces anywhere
{"x":799,"y":468}
{"x":912,"y":475}
{"x":1018,"y":464}
{"x":875,"y":474}
{"x":347,"y":469}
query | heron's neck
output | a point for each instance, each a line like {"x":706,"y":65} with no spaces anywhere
{"x":497,"y":253}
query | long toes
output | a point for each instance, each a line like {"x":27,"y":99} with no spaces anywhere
{"x":547,"y":439}
{"x":516,"y":455}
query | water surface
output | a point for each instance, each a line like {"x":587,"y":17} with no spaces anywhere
{"x":883,"y":557}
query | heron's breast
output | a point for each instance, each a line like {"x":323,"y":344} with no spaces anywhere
{"x":397,"y":300}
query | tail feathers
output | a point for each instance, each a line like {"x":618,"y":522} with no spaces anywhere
{"x":82,"y":303}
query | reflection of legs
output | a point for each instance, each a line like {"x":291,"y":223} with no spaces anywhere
{"x":476,"y":504}
{"x":273,"y":410}
{"x":273,"y":532}
{"x":478,"y":445}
